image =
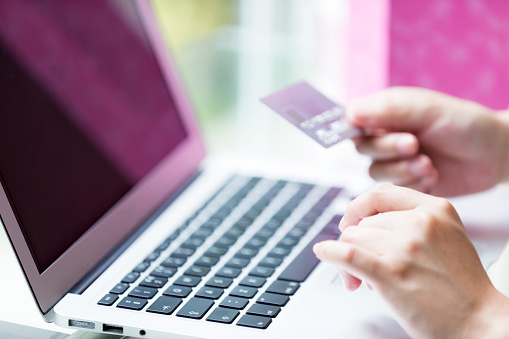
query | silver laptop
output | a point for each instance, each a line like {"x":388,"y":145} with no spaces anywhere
{"x":118,"y":225}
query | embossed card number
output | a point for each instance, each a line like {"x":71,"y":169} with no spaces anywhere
{"x":313,"y":113}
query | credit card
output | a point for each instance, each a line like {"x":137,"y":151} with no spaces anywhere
{"x":313,"y":113}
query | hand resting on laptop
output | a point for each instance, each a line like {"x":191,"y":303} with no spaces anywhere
{"x":409,"y":246}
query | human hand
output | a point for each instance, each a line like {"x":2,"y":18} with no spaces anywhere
{"x":432,"y":142}
{"x":413,"y":249}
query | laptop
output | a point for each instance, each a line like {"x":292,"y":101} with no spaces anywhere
{"x":120,"y":222}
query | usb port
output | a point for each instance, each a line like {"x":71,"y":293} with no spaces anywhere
{"x":113,"y":329}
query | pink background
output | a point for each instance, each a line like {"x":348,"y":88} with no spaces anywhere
{"x":460,"y":47}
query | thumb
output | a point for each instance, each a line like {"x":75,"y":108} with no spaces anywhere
{"x":404,"y":109}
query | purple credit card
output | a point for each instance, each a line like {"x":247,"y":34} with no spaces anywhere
{"x":312,"y":113}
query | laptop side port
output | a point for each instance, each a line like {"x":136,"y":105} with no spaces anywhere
{"x":82,"y":324}
{"x":113,"y":329}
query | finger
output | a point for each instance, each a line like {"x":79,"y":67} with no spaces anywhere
{"x":382,"y":198}
{"x":425,"y":184}
{"x":350,"y":283}
{"x":388,"y":147}
{"x":399,"y":109}
{"x":402,"y":172}
{"x":372,"y":233}
{"x":354,"y":260}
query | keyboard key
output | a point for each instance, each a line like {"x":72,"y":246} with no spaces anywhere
{"x":261,"y":271}
{"x":164,"y":305}
{"x":192,"y":243}
{"x":223,"y":212}
{"x":273,"y":299}
{"x":282,"y":214}
{"x":223,"y":315}
{"x":119,"y":288}
{"x":131,"y":277}
{"x":178,"y":291}
{"x":187,"y":281}
{"x":152,"y":281}
{"x":253,"y":213}
{"x":219,"y":282}
{"x":243,"y":223}
{"x":244,"y":292}
{"x":203,"y":232}
{"x":254,"y":321}
{"x":173,"y":262}
{"x":264,"y":310}
{"x":195,"y":308}
{"x":234,"y":302}
{"x":279,"y":252}
{"x":245,"y":220}
{"x":213,"y":223}
{"x":183,"y":252}
{"x":304,"y":225}
{"x":163,"y":272}
{"x":237,"y":262}
{"x":197,"y":271}
{"x":296,"y":233}
{"x":235,"y":232}
{"x":270,"y":262}
{"x":225,"y":242}
{"x":216,"y":252}
{"x":273,"y":224}
{"x":256,"y":243}
{"x":141,"y":267}
{"x":163,"y":246}
{"x":253,"y":281}
{"x":302,"y":266}
{"x":283,"y":287}
{"x":265,"y":233}
{"x":246,"y":253}
{"x":132,"y":303}
{"x":108,"y":300}
{"x":143,"y":292}
{"x":206,"y":261}
{"x":288,"y":242}
{"x":152,"y":256}
{"x":228,"y":272}
{"x":176,"y":234}
{"x":209,"y":292}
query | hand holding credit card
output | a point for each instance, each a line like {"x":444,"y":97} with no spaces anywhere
{"x":314,"y":114}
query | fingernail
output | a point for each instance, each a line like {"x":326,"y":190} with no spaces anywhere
{"x":316,"y":247}
{"x":418,"y":167}
{"x":360,"y":114}
{"x":344,"y":228}
{"x":427,"y":182}
{"x":405,"y":144}
{"x":349,"y":229}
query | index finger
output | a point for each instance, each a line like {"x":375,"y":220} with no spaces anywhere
{"x":382,"y":198}
{"x":397,"y":109}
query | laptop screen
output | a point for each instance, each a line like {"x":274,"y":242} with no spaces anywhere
{"x":84,"y":115}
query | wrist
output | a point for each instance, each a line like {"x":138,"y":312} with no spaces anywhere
{"x":490,"y":317}
{"x":503,"y":118}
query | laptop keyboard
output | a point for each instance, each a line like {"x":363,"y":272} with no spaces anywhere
{"x":194,"y":273}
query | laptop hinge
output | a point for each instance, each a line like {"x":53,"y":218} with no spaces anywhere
{"x":91,"y":276}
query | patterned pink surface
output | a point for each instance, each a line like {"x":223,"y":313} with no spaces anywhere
{"x":460,"y":47}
